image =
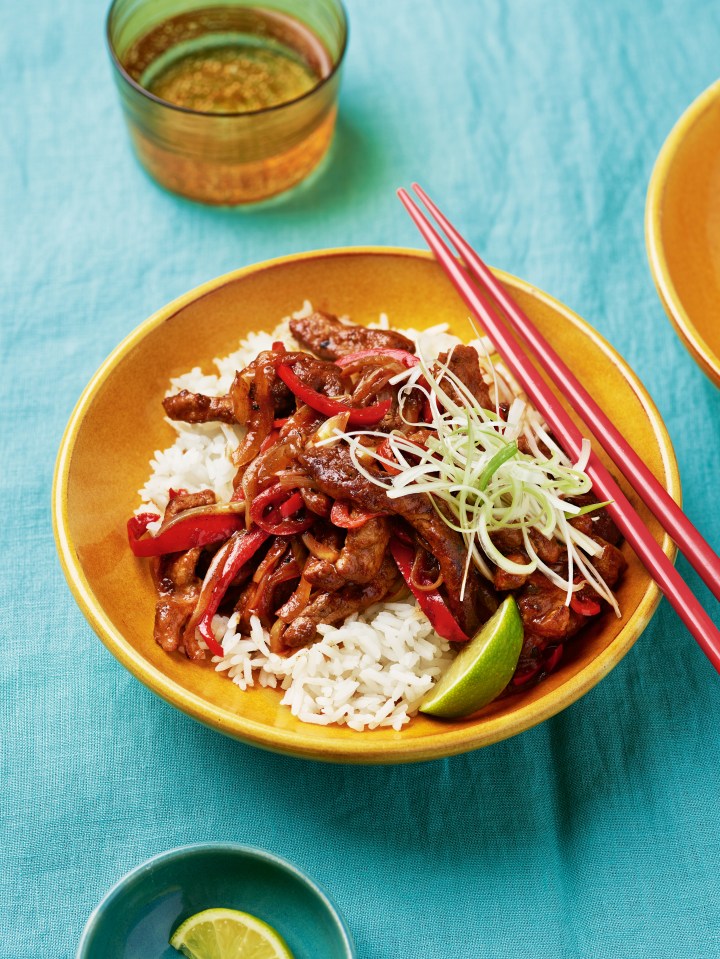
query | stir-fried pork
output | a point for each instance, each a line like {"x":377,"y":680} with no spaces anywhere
{"x":324,"y":572}
{"x":334,"y":472}
{"x":328,"y":608}
{"x":464,"y":362}
{"x":325,"y":336}
{"x":198,"y":408}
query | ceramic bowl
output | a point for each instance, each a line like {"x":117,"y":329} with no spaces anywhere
{"x":137,"y":917}
{"x":682,"y":229}
{"x":118,"y":423}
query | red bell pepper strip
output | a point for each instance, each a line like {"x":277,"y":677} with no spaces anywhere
{"x":269,"y":441}
{"x":427,"y":412}
{"x":402,"y":356}
{"x":226,"y":565}
{"x":545,"y":666}
{"x":183,"y":533}
{"x":137,"y":525}
{"x":342,"y":516}
{"x":431,"y":603}
{"x":359,"y":416}
{"x":385,"y":450}
{"x":275,"y":521}
{"x":585,"y":607}
{"x":519,"y":679}
{"x":292,"y":505}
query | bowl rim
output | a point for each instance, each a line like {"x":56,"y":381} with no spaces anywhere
{"x":298,"y":743}
{"x":252,"y":852}
{"x":690,"y":336}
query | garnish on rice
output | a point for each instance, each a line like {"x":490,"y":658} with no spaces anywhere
{"x":342,"y":474}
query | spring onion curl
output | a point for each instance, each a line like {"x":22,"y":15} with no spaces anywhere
{"x":477,"y":478}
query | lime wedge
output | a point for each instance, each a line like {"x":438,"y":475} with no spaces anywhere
{"x":228,"y":934}
{"x":482,"y":669}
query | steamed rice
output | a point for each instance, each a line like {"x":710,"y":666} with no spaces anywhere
{"x":371,"y":671}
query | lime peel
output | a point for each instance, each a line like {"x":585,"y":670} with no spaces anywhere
{"x":228,"y":934}
{"x":482,"y":669}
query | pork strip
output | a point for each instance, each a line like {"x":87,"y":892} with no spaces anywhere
{"x":364,"y":551}
{"x":464,"y":362}
{"x":334,"y":473}
{"x":328,"y":608}
{"x":325,"y":336}
{"x":178,"y":504}
{"x":172,"y":613}
{"x":198,"y":408}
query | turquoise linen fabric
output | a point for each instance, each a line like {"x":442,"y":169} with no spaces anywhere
{"x":535,"y":125}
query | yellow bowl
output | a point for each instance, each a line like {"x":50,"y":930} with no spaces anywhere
{"x":118,"y":423}
{"x":682,"y":229}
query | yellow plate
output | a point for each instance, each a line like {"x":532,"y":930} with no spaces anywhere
{"x":682,"y":229}
{"x":118,"y":423}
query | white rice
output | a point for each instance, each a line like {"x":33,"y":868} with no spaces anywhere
{"x":371,"y":671}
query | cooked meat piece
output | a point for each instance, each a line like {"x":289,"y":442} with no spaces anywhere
{"x":611,"y":563}
{"x":411,"y":412}
{"x":177,"y":583}
{"x":323,"y":574}
{"x":184,"y":501}
{"x":258,"y":384}
{"x":282,"y":396}
{"x":503,"y":580}
{"x":319,"y":375}
{"x":198,"y":408}
{"x":508,"y":540}
{"x":333,"y":471}
{"x":328,"y":608}
{"x":549,"y":550}
{"x":364,"y":550}
{"x":172,"y":612}
{"x":511,"y":541}
{"x":598,"y":523}
{"x":326,"y":337}
{"x":544,"y":613}
{"x":180,"y":568}
{"x":317,"y":503}
{"x":179,"y":589}
{"x":359,"y":561}
{"x":464,"y":362}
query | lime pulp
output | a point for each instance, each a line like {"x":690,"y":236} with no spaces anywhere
{"x":228,"y":934}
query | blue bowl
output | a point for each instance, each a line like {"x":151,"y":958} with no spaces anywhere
{"x":137,"y":917}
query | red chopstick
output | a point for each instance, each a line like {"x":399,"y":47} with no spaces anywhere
{"x":482,"y":304}
{"x":699,"y":553}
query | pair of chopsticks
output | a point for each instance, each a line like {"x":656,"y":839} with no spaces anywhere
{"x":497,"y":312}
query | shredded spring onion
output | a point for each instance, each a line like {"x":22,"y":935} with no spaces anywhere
{"x":479,"y":481}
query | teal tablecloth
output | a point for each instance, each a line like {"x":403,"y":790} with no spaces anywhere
{"x":536,"y":124}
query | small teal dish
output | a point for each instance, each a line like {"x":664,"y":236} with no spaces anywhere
{"x":137,"y":917}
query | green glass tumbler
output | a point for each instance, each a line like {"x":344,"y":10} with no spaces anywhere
{"x":228,"y":156}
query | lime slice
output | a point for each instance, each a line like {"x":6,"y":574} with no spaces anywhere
{"x":228,"y":934}
{"x":482,"y":669}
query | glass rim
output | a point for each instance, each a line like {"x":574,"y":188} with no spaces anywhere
{"x":117,"y":63}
